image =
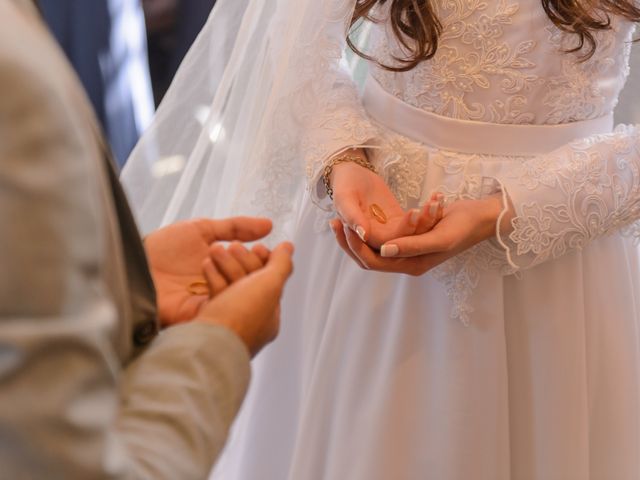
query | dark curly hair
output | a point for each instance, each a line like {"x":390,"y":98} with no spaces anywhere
{"x":418,"y":29}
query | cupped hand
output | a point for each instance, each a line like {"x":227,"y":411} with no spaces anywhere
{"x":176,"y":254}
{"x":356,"y":189}
{"x":464,"y":224}
{"x":250,"y":306}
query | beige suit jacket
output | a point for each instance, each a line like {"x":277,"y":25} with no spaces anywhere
{"x":88,"y":388}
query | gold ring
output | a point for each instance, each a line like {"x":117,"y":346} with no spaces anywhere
{"x":198,"y":288}
{"x":378,"y":213}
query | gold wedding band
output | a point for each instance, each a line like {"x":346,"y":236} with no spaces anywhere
{"x":378,"y":213}
{"x":198,"y":288}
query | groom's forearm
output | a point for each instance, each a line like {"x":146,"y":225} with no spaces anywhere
{"x":180,"y":398}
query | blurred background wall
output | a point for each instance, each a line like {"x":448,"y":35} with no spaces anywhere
{"x":172,"y":26}
{"x":126,"y":53}
{"x":628,"y":110}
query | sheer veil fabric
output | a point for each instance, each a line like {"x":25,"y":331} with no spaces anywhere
{"x":228,"y":138}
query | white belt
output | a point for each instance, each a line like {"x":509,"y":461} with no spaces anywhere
{"x":467,"y":136}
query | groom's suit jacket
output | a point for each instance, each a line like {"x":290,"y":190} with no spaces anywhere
{"x":88,"y":387}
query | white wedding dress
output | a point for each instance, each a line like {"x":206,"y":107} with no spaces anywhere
{"x":519,"y":359}
{"x":471,"y":372}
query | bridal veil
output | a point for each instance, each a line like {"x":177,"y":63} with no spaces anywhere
{"x":228,"y":137}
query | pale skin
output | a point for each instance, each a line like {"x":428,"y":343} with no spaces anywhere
{"x":356,"y":189}
{"x":402,"y":245}
{"x":242,"y":287}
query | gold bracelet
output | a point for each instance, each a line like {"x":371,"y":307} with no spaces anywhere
{"x":358,"y":160}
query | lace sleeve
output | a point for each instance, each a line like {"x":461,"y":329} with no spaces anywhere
{"x":567,"y":198}
{"x":337,"y":125}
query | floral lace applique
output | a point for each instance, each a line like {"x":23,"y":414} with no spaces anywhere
{"x":575,"y":94}
{"x":479,"y":74}
{"x":461,"y":275}
{"x":403,"y":165}
{"x":590,"y":188}
{"x":472,"y":56}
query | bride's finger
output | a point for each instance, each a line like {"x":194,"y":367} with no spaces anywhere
{"x":441,"y":201}
{"x":431,"y":213}
{"x":416,"y":245}
{"x":355,"y":246}
{"x":338,"y":230}
{"x":370,"y":260}
{"x":349,"y":209}
{"x":426,"y":220}
{"x":418,"y":220}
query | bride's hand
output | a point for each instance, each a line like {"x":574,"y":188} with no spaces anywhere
{"x":356,"y":189}
{"x":464,"y":224}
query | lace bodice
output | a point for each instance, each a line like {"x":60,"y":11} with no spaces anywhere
{"x":502,"y":61}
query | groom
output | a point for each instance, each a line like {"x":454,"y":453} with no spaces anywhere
{"x":89,"y":385}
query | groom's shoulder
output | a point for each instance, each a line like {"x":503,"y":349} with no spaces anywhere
{"x":41,"y":104}
{"x":20,"y":70}
{"x":19,"y":30}
{"x":35,"y":75}
{"x":27,"y":52}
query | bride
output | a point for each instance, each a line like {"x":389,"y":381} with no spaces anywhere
{"x":467,"y":144}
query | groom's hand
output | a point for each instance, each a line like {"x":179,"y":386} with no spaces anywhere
{"x":176,"y":255}
{"x":250,"y":307}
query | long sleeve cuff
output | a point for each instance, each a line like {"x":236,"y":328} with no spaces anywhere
{"x":565,"y":199}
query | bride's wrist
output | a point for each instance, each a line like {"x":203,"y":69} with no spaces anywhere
{"x":491,"y":211}
{"x":354,"y":158}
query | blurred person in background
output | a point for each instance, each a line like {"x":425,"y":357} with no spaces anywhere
{"x":172,"y":26}
{"x":105,"y":40}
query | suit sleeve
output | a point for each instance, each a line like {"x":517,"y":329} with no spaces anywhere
{"x":179,"y":400}
{"x":567,"y":198}
{"x":69,"y":407}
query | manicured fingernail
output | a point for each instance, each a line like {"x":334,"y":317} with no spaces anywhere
{"x":361,"y":232}
{"x":433,"y":209}
{"x":389,"y":250}
{"x":440,"y":200}
{"x":415,"y":216}
{"x":333,"y":229}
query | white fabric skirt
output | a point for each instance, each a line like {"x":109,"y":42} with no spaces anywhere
{"x":372,"y":378}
